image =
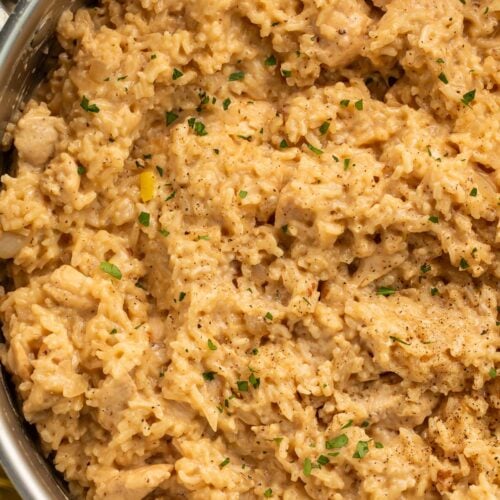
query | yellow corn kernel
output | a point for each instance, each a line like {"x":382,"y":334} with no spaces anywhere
{"x":147,"y":180}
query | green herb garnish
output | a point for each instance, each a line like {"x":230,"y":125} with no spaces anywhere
{"x":182,"y":296}
{"x":144,"y":218}
{"x":237,"y":76}
{"x":170,"y":117}
{"x":224,"y":462}
{"x":315,"y":150}
{"x":243,"y":194}
{"x":397,"y":339}
{"x":270,"y":61}
{"x":361,"y":449}
{"x":211,"y":345}
{"x":344,"y":103}
{"x":255,"y":381}
{"x":359,"y":105}
{"x":324,"y":128}
{"x":242,"y":385}
{"x":85,"y":105}
{"x":468,"y":97}
{"x":425,"y":268}
{"x":443,"y":78}
{"x":209,"y":375}
{"x":473,"y":192}
{"x":226,"y":103}
{"x":337,"y":442}
{"x":307,"y":467}
{"x":110,"y":269}
{"x":177,"y":74}
{"x":385,"y":291}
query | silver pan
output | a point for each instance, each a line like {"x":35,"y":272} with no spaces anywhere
{"x":26,"y":45}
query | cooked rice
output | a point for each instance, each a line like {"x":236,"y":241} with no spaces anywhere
{"x":255,"y":250}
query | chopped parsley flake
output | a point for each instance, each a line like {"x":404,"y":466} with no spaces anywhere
{"x":307,"y":468}
{"x":224,"y":462}
{"x":492,"y":373}
{"x":209,"y":375}
{"x":361,"y":449}
{"x":245,"y":137}
{"x":255,"y":351}
{"x":81,"y":170}
{"x":385,"y":291}
{"x":378,"y":445}
{"x":268,"y":493}
{"x":335,"y":158}
{"x":286,"y":73}
{"x":113,"y":331}
{"x":255,"y":381}
{"x":203,"y":237}
{"x":425,"y":268}
{"x":226,"y":103}
{"x":199,"y":129}
{"x":473,"y":192}
{"x":347,"y":162}
{"x":440,"y":60}
{"x":270,"y":61}
{"x":315,"y":150}
{"x":170,"y":196}
{"x":323,"y":460}
{"x":268,"y":316}
{"x":160,"y":170}
{"x":359,"y":105}
{"x":283,"y":144}
{"x":242,"y":385}
{"x":344,"y":103}
{"x":337,"y":442}
{"x":443,"y":78}
{"x":365,"y":423}
{"x":86,"y":106}
{"x":120,"y":78}
{"x":164,"y":232}
{"x":211,"y":345}
{"x":243,"y":194}
{"x":397,"y":339}
{"x":237,"y":76}
{"x":110,"y":269}
{"x":324,"y":128}
{"x":182,"y":296}
{"x":348,"y":424}
{"x":464,"y":264}
{"x":434,"y":219}
{"x":468,"y":97}
{"x":284,"y":229}
{"x":144,"y":219}
{"x":153,"y":56}
{"x":170,"y":117}
{"x":434,"y":292}
{"x":177,"y":74}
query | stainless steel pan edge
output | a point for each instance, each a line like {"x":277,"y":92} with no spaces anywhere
{"x":24,"y":41}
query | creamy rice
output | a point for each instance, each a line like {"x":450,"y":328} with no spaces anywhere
{"x":254,"y":250}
